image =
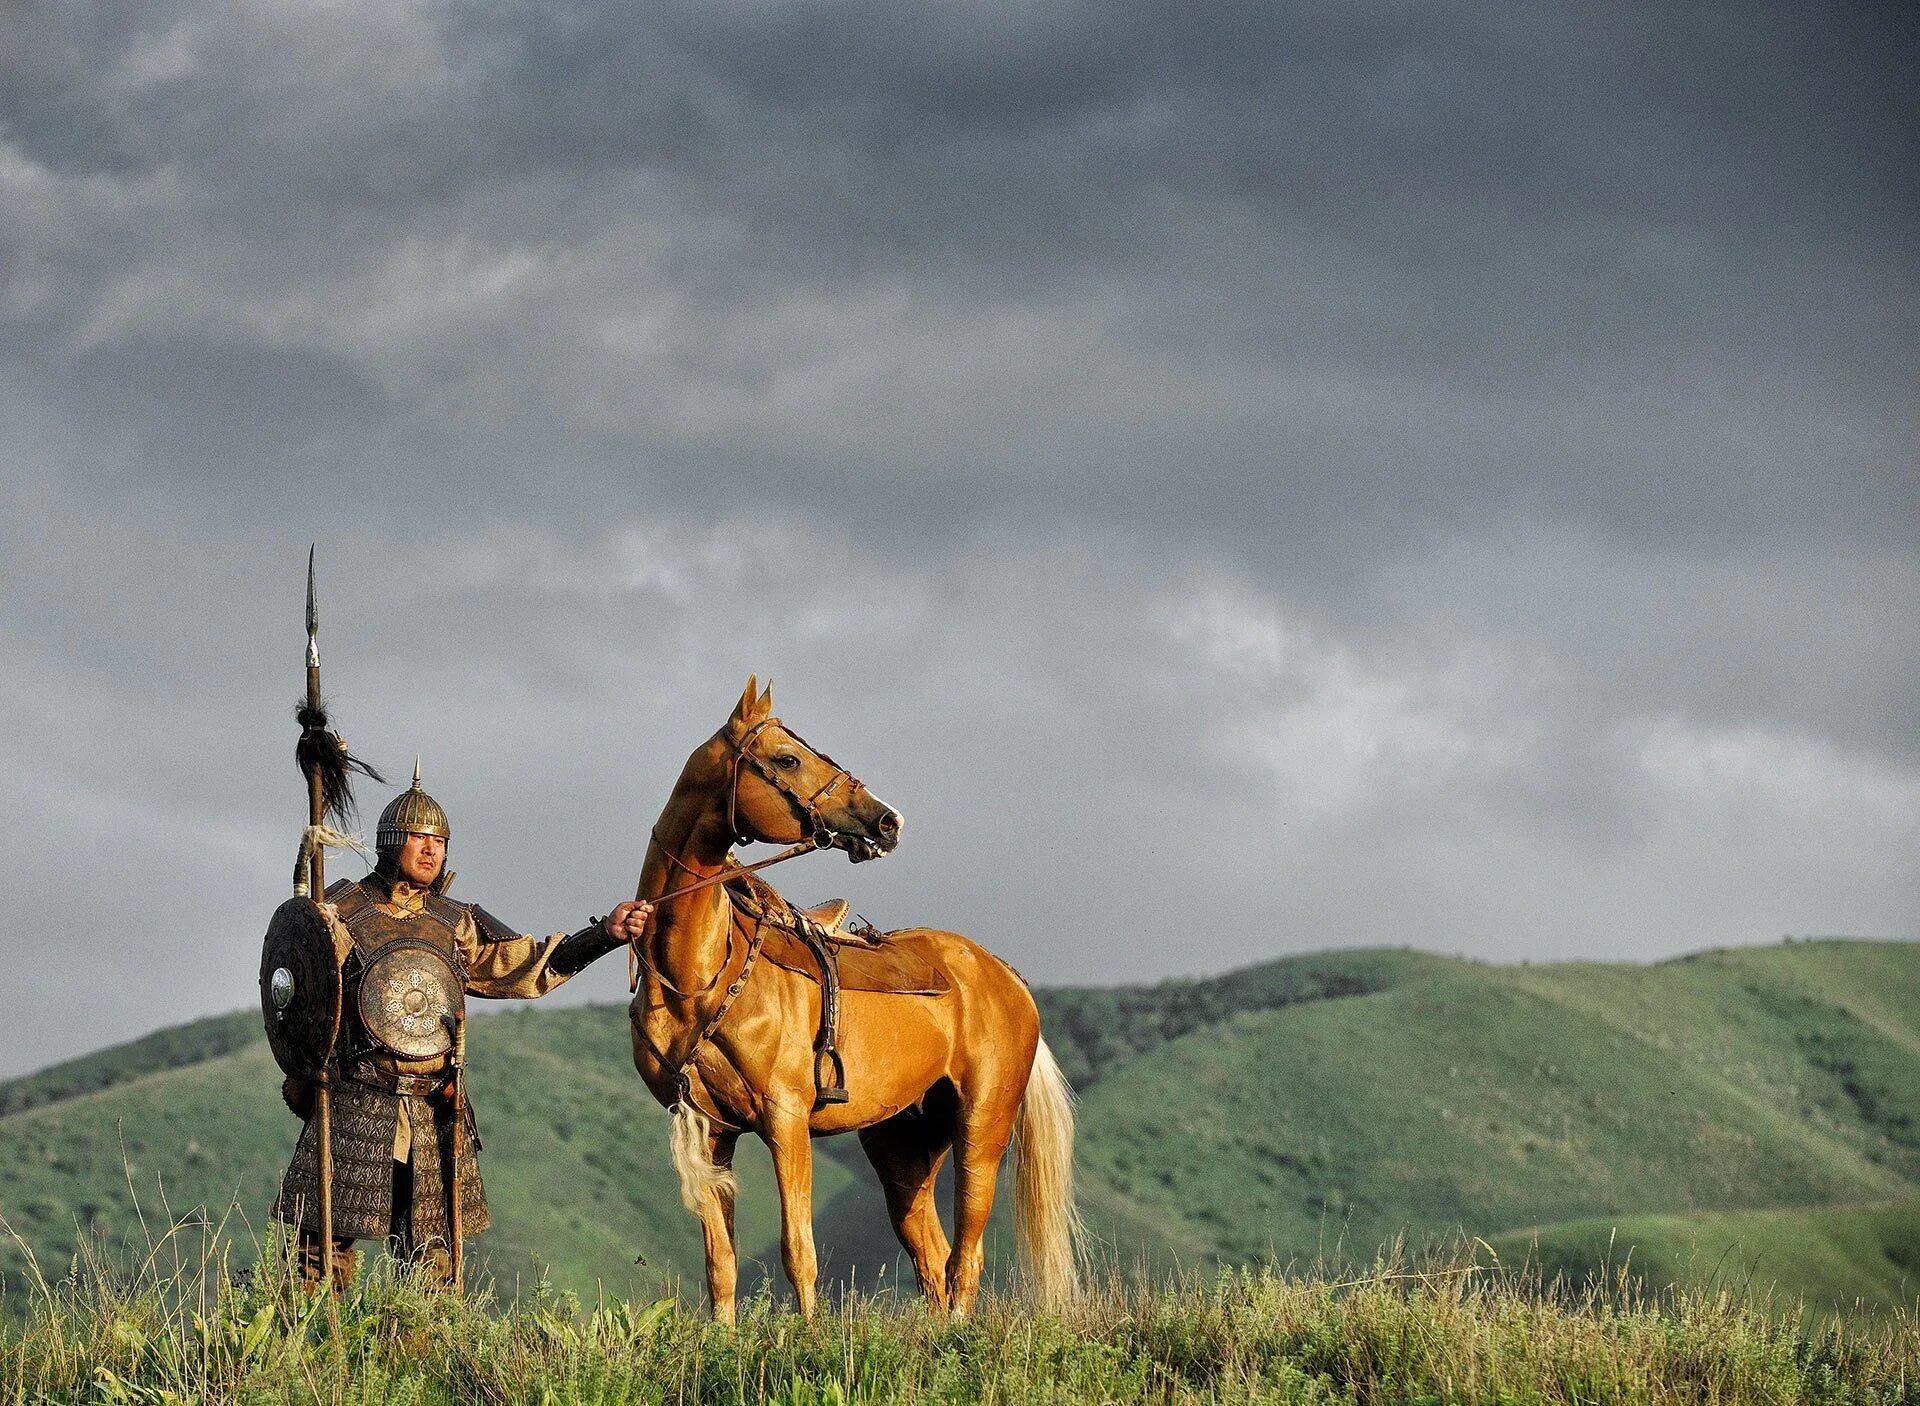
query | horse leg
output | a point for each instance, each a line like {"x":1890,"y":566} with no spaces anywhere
{"x":983,"y":1136}
{"x":907,"y":1152}
{"x":716,"y":1228}
{"x":792,"y":1150}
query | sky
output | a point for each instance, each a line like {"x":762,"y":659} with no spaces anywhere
{"x":1240,"y":478}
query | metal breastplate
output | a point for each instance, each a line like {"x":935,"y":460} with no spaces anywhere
{"x":404,"y":984}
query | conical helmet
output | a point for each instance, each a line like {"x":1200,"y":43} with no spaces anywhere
{"x":412,"y":812}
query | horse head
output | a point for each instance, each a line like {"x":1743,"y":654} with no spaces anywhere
{"x":782,"y":790}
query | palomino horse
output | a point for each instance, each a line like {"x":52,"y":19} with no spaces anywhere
{"x":727,"y":1042}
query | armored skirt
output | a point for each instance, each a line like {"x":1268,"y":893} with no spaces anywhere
{"x":365,"y":1121}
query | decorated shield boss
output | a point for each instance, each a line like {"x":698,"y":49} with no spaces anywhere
{"x":408,"y":997}
{"x":299,"y":988}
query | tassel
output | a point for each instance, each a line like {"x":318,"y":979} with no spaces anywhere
{"x":321,"y":752}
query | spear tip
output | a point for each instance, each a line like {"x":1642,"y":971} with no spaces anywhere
{"x":313,"y":617}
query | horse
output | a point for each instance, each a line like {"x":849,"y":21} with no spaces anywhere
{"x":725,"y":1042}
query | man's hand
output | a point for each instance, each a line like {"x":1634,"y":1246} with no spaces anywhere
{"x":628,"y":922}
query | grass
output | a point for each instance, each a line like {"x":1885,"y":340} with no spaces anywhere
{"x":1849,"y":1260}
{"x":177,"y":1324}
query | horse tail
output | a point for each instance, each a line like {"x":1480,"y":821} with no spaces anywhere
{"x":688,"y":1140}
{"x":1050,"y":1234}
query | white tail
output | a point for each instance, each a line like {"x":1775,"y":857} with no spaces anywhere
{"x":687,"y":1140}
{"x":1052,"y":1239}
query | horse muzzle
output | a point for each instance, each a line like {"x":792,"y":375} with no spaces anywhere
{"x":880,"y":836}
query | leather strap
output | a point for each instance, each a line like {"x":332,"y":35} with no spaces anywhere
{"x":806,"y":808}
{"x":392,"y":1081}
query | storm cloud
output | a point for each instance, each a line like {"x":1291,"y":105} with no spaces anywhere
{"x":1241,"y":479}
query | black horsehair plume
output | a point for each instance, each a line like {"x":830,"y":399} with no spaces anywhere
{"x":321,"y":750}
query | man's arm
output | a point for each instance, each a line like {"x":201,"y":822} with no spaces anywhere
{"x":507,"y":965}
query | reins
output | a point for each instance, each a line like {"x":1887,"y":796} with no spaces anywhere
{"x":635,"y":960}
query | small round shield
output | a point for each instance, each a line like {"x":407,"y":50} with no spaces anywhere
{"x":409,"y":996}
{"x":299,"y":988}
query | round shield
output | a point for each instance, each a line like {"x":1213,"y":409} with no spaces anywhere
{"x":299,"y":988}
{"x":408,"y":997}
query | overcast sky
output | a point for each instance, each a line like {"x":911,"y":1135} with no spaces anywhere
{"x":1241,"y":479}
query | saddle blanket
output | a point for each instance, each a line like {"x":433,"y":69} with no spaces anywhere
{"x":893,"y":967}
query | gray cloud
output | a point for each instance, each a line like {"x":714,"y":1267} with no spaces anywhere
{"x":1432,"y":476}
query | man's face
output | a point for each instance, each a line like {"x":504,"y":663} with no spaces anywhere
{"x":421,"y":857}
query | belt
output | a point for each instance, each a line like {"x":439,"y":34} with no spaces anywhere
{"x":392,"y":1081}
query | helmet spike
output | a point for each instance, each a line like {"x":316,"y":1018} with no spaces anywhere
{"x":416,"y":771}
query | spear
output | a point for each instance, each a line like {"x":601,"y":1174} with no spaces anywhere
{"x":323,"y":761}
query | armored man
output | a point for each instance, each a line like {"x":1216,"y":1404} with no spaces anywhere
{"x":403,"y":1140}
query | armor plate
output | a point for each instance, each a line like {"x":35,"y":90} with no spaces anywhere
{"x":408,"y":995}
{"x":299,"y":988}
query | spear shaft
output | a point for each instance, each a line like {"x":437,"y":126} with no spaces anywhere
{"x":317,"y":887}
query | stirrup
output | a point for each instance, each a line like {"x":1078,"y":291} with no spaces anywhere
{"x":830,"y":1093}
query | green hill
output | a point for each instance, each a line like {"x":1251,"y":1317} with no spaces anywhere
{"x":1490,"y":1098}
{"x":192,"y":1043}
{"x":1313,"y":1107}
{"x":1833,"y":1257}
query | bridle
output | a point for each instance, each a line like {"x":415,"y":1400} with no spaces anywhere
{"x":820,"y":835}
{"x":806,"y":808}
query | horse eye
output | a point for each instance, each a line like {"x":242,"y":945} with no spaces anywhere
{"x":786,"y":761}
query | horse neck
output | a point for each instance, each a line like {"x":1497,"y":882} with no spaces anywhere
{"x":689,"y":939}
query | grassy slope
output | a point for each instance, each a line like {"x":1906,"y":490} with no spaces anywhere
{"x":1432,"y":1335}
{"x":1291,"y":1109}
{"x":575,"y":1150}
{"x":173,"y":1048}
{"x":1488,"y":1098}
{"x":575,"y":1160}
{"x":1094,"y":1031}
{"x":1835,"y":1258}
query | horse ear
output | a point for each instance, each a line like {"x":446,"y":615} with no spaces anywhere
{"x":764,"y":708}
{"x":743,"y":710}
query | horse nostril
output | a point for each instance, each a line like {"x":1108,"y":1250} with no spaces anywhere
{"x":890,"y":823}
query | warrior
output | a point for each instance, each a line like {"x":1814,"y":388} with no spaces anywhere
{"x":403,"y":1139}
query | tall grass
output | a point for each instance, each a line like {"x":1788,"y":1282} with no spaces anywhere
{"x":176,"y":1323}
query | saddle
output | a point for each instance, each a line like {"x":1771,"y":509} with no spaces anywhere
{"x":814,"y":943}
{"x":864,"y":959}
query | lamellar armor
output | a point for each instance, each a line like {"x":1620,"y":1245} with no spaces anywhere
{"x":403,"y":986}
{"x":413,"y":957}
{"x":403,"y":980}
